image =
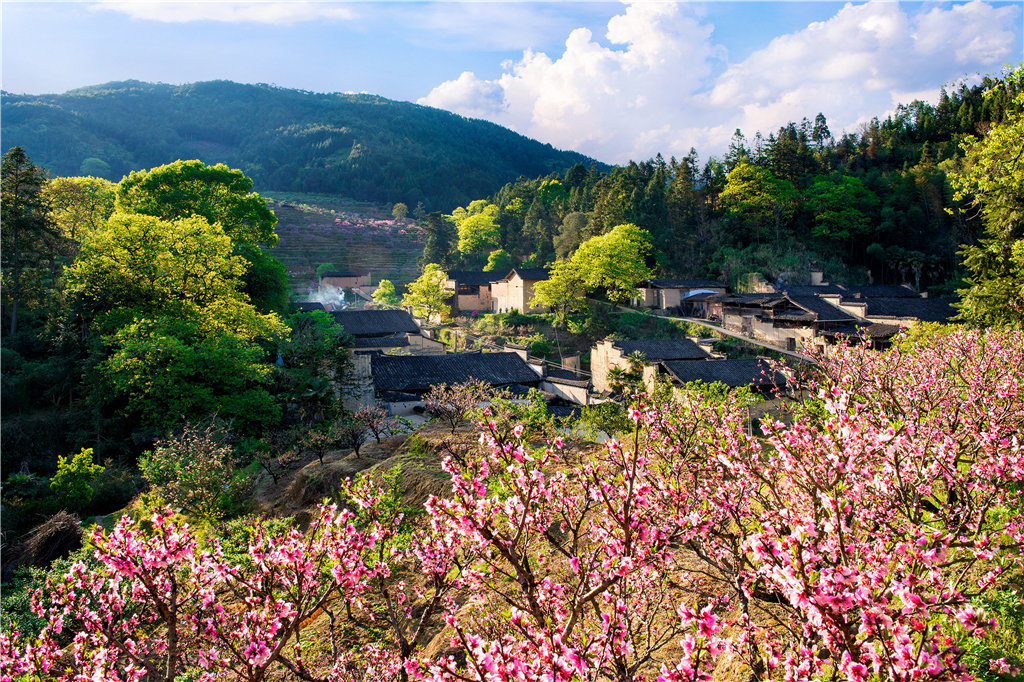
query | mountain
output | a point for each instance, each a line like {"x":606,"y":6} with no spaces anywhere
{"x":359,"y":146}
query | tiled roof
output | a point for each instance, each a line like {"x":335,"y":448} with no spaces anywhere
{"x":309,"y":306}
{"x":566,"y":377}
{"x":882,"y":291}
{"x":390,"y":341}
{"x":375,"y":322}
{"x":745,"y":372}
{"x":681,"y":284}
{"x":822,"y":309}
{"x":411,"y":373}
{"x":473,"y":278}
{"x":874,"y":330}
{"x":810,"y":289}
{"x":531,"y":274}
{"x":663,"y":349}
{"x":924,"y":309}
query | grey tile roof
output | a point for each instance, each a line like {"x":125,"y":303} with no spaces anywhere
{"x":745,"y":372}
{"x":924,"y":309}
{"x":419,"y":373}
{"x":390,"y":341}
{"x":531,"y":274}
{"x":566,"y":377}
{"x":874,"y":330}
{"x":309,"y":306}
{"x":375,"y":322}
{"x":822,"y":309}
{"x":663,"y":349}
{"x":809,"y":289}
{"x":882,"y":291}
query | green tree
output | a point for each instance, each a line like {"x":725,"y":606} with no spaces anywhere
{"x":441,"y":238}
{"x":992,"y":177}
{"x":842,"y":207}
{"x":72,"y":482}
{"x":755,"y":194}
{"x":564,"y":292}
{"x":615,"y":261}
{"x":79,"y":207}
{"x":174,"y":337}
{"x":221,"y":195}
{"x":499,"y":261}
{"x":24,"y":230}
{"x":478,"y":232}
{"x":399,"y":211}
{"x":426,"y":295}
{"x":386,"y":294}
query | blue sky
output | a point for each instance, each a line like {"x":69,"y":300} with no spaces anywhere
{"x":617,"y":81}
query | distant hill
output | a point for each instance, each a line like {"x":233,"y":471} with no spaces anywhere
{"x":359,"y":146}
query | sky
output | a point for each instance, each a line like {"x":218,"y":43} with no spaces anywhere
{"x":616,"y":81}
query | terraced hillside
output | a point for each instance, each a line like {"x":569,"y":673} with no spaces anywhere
{"x":316,"y":229}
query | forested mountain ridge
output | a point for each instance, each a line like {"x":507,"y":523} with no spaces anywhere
{"x":361,"y":146}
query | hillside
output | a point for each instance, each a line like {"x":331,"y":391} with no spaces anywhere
{"x":352,"y":236}
{"x":359,"y":146}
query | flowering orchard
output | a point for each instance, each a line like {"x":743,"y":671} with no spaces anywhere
{"x":846,"y":543}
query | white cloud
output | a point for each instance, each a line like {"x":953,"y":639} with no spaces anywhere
{"x":650,"y":88}
{"x":184,"y":11}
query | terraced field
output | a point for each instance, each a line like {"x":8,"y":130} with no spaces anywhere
{"x":354,"y":236}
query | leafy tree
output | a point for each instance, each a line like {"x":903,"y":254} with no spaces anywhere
{"x":386,"y":294}
{"x":79,"y":207}
{"x":564,"y":291}
{"x":26,"y":226}
{"x":72,"y":482}
{"x":615,"y":261}
{"x":992,"y":176}
{"x":175,"y":336}
{"x":426,"y":295}
{"x":221,"y":195}
{"x":499,"y":261}
{"x":842,"y":207}
{"x":478,"y":232}
{"x":399,"y":211}
{"x":441,"y":239}
{"x":755,"y":194}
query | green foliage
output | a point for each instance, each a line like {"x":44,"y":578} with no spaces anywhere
{"x":499,"y":261}
{"x":992,"y":176}
{"x":79,"y":207}
{"x":386,"y":294}
{"x":72,"y":482}
{"x":755,"y":194}
{"x":604,"y":420}
{"x":399,"y":211}
{"x":1005,"y":642}
{"x":478,"y":230}
{"x":427,"y":296}
{"x":842,"y":207}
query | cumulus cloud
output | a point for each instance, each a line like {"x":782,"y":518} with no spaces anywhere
{"x":170,"y":11}
{"x":659,"y":83}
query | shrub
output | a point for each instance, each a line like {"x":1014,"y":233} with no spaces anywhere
{"x":191,"y":469}
{"x":72,"y":482}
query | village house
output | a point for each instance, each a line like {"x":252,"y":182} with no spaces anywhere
{"x":609,"y":355}
{"x":377,"y":330}
{"x":785,"y":320}
{"x":514,"y":291}
{"x":470,"y":290}
{"x":668,"y":294}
